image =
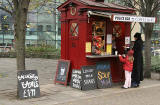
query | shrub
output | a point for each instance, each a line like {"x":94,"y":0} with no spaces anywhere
{"x":42,"y":52}
{"x":155,"y":65}
{"x":35,"y":52}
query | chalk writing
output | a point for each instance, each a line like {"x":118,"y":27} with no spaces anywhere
{"x":29,"y":76}
{"x":62,"y":71}
{"x":89,"y":81}
{"x":105,"y":83}
{"x":29,"y":93}
{"x":76,"y":79}
{"x":28,"y":84}
{"x":31,"y":84}
{"x":89,"y":75}
{"x":103,"y":75}
{"x":88,"y":78}
{"x":102,"y":67}
{"x":88,"y":71}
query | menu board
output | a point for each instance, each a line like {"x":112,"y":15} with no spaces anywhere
{"x":104,"y":79}
{"x":88,"y":77}
{"x":127,"y":40}
{"x":62,"y":71}
{"x":76,"y":79}
{"x":88,"y":47}
{"x":109,"y":38}
{"x":28,"y":84}
{"x":109,"y":49}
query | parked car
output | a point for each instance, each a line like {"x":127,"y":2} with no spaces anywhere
{"x":156,"y":52}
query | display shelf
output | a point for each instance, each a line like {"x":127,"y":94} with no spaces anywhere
{"x":100,"y":56}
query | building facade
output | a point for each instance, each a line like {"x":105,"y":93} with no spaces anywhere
{"x":43,"y":26}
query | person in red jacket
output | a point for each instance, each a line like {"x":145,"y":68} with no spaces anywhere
{"x":127,"y":66}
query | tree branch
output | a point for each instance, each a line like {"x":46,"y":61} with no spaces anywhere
{"x":42,"y":4}
{"x":142,"y":7}
{"x":156,"y":7}
{"x":15,"y":3}
{"x":135,"y":4}
{"x":142,"y":26}
{"x":6,"y":10}
{"x":10,"y":4}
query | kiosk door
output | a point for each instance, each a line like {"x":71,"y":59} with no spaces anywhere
{"x":73,"y":43}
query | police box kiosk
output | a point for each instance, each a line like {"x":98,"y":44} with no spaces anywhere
{"x":93,"y":31}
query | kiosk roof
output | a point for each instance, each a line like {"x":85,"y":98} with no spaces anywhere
{"x":103,"y":4}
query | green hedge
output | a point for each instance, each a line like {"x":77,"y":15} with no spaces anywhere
{"x":155,"y":64}
{"x":35,"y":52}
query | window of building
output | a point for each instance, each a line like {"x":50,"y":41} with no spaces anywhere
{"x":48,"y":28}
{"x":31,"y":32}
{"x":5,"y":27}
{"x":74,"y":29}
{"x":40,"y":28}
{"x":59,"y":31}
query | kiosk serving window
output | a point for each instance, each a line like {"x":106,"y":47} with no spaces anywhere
{"x":98,"y":37}
{"x":98,"y":28}
{"x":74,"y":29}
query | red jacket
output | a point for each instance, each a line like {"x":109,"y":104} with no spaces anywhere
{"x":127,"y":64}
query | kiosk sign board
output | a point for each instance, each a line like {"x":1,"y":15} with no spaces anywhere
{"x":125,"y":18}
{"x":88,"y":77}
{"x":28,"y":84}
{"x":76,"y":79}
{"x":62,"y":71}
{"x":104,"y":79}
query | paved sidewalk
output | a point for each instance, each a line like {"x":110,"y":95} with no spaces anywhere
{"x":52,"y":94}
{"x":56,"y":94}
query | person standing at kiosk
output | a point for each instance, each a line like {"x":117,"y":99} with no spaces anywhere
{"x":137,"y":73}
{"x":127,"y":66}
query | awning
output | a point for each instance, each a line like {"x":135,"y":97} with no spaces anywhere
{"x":123,"y":17}
{"x":97,"y":13}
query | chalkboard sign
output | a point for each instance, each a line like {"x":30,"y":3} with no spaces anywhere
{"x":28,"y":84}
{"x":76,"y":79}
{"x":88,"y":77}
{"x":62,"y":71}
{"x":104,"y":79}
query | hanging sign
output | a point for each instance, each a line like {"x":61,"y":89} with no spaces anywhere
{"x":109,"y":49}
{"x":125,"y":18}
{"x":88,"y":47}
{"x":127,"y":40}
{"x":109,"y":38}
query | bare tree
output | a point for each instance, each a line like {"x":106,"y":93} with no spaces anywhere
{"x":146,"y":8}
{"x":18,"y":9}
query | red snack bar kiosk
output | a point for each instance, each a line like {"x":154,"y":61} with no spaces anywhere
{"x":89,"y":34}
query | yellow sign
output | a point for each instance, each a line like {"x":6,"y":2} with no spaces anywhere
{"x":88,"y":47}
{"x":109,"y":49}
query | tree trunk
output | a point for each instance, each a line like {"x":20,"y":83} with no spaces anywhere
{"x":148,"y":33}
{"x":20,"y":19}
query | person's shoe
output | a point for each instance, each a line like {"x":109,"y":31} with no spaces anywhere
{"x":134,"y":85}
{"x":124,"y":87}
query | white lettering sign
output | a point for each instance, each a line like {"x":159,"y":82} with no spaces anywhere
{"x":126,"y":18}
